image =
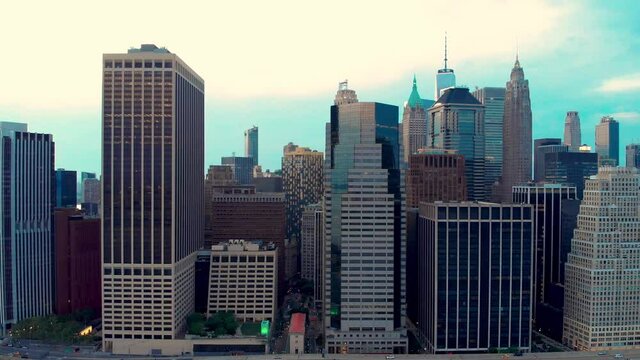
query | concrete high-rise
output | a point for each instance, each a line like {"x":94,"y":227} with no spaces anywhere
{"x":91,"y":190}
{"x":365,"y":232}
{"x":475,"y":278}
{"x":302,"y":179}
{"x":541,"y":147}
{"x":251,"y":144}
{"x":152,"y":193}
{"x":414,"y":123}
{"x":435,"y":175}
{"x":26,"y":210}
{"x":66,"y":188}
{"x":516,"y":169}
{"x":242,"y":167}
{"x":572,"y":134}
{"x":570,"y":168}
{"x":445,"y":78}
{"x":633,"y":155}
{"x":608,"y":141}
{"x":456,"y":122}
{"x":83,"y":176}
{"x":311,"y":248}
{"x":602,"y":288}
{"x":493,"y":100}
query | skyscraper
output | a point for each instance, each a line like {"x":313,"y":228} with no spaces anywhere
{"x":541,"y":147}
{"x":516,"y":146}
{"x":83,"y":176}
{"x":493,"y":100}
{"x":153,"y":199}
{"x":66,"y":188}
{"x":602,"y":289}
{"x":414,"y":123}
{"x":633,"y":155}
{"x":302,"y":174}
{"x":456,"y":122}
{"x":312,"y":246}
{"x":572,"y":134}
{"x":435,"y":175}
{"x":570,"y":168}
{"x":242,"y":167}
{"x":26,"y":210}
{"x":365,"y":235}
{"x":251,"y":144}
{"x":445,"y":78}
{"x":608,"y":141}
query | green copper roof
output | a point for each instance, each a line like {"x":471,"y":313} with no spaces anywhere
{"x":414,"y":98}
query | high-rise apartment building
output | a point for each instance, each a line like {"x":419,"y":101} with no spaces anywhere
{"x":608,"y":141}
{"x":493,"y":100}
{"x":311,"y":248}
{"x":28,"y":198}
{"x":570,"y":168}
{"x":445,"y":78}
{"x":456,"y":122}
{"x":302,"y":179}
{"x":152,"y":193}
{"x":633,"y":155}
{"x":365,"y":235}
{"x":414,"y":123}
{"x":555,"y":208}
{"x":572,"y":134}
{"x":517,"y":134}
{"x":435,"y":175}
{"x":66,"y":188}
{"x":242,"y":167}
{"x":251,"y":144}
{"x":602,"y":289}
{"x":474,"y":283}
{"x":541,"y":147}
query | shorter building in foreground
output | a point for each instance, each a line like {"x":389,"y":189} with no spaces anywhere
{"x":475,"y":279}
{"x":243,"y":279}
{"x":296,"y":333}
{"x":435,"y":175}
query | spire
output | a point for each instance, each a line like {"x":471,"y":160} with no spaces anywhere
{"x":445,"y":50}
{"x":414,"y":98}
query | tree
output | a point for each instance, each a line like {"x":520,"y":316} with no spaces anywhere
{"x":222,"y":322}
{"x":196,"y":324}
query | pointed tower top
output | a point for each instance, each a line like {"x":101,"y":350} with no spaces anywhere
{"x":414,"y":81}
{"x":414,"y":98}
{"x":445,"y":50}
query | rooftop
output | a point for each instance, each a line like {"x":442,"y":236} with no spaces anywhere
{"x":297,"y":323}
{"x":149,"y":48}
{"x":457,"y":95}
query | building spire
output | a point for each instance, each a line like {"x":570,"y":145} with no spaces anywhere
{"x":445,"y":50}
{"x":415,"y":83}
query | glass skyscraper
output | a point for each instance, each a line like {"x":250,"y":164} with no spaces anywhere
{"x":66,"y":188}
{"x":251,"y":144}
{"x":493,"y":100}
{"x":608,"y":141}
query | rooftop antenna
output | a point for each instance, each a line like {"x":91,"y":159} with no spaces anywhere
{"x":445,"y":50}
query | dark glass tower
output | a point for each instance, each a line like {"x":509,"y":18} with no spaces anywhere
{"x":541,"y":147}
{"x":66,"y":188}
{"x":570,"y":168}
{"x":608,"y":141}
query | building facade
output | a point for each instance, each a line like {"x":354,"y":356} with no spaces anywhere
{"x":242,"y":167}
{"x":152,"y":193}
{"x":28,"y":197}
{"x":456,"y":122}
{"x":633,"y":155}
{"x":541,"y":147}
{"x":445,"y":78}
{"x":435,"y":175}
{"x":84,"y":176}
{"x":475,"y":281}
{"x":414,"y":123}
{"x":66,"y":188}
{"x":493,"y":100}
{"x":251,"y":144}
{"x":570,"y":168}
{"x":311,"y":248}
{"x":572,"y":133}
{"x":365,"y":234}
{"x":602,"y":290}
{"x":608,"y":141}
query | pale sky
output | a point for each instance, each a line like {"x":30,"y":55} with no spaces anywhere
{"x":276,"y":64}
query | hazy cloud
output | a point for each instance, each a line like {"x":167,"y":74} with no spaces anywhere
{"x":623,"y":83}
{"x":630,"y":117}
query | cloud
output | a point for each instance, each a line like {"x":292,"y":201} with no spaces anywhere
{"x":627,"y":117}
{"x":623,"y":83}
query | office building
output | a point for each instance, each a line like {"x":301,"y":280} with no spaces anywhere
{"x":311,"y":248}
{"x":296,"y":333}
{"x":541,"y":147}
{"x":66,"y":188}
{"x":268,"y":184}
{"x":445,"y":78}
{"x":475,"y":280}
{"x":493,"y":100}
{"x":554,"y":213}
{"x":517,"y":134}
{"x":570,"y":168}
{"x":633,"y":155}
{"x":435,"y":175}
{"x":365,"y":235}
{"x":83,"y":176}
{"x":608,"y":141}
{"x":572,"y":134}
{"x":91,"y":190}
{"x":242,"y":167}
{"x":414,"y":123}
{"x":251,"y":144}
{"x":77,"y":262}
{"x":28,"y":197}
{"x":602,"y":289}
{"x":456,"y":122}
{"x":152,"y":193}
{"x":202,"y":267}
{"x":291,"y":257}
{"x":242,"y":279}
{"x":302,"y":175}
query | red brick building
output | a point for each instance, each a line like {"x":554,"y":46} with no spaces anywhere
{"x":435,"y":175}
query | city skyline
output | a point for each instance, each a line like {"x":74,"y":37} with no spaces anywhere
{"x":590,"y":47}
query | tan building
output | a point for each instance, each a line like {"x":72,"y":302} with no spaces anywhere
{"x":296,"y":333}
{"x":243,"y":279}
{"x":435,"y":175}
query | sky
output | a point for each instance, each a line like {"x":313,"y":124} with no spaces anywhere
{"x":277,"y":64}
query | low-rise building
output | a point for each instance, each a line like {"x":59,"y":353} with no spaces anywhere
{"x":296,"y":333}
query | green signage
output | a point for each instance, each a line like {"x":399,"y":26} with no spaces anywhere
{"x":264,"y":328}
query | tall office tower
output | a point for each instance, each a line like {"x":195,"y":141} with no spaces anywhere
{"x":302,"y":174}
{"x":152,"y":193}
{"x":83,"y":176}
{"x":456,"y":122}
{"x":242,"y":167}
{"x":66,"y":188}
{"x":572,"y":134}
{"x":608,"y":141}
{"x":77,"y":262}
{"x":516,"y":146}
{"x":633,"y":155}
{"x":414,"y":123}
{"x":493,"y":100}
{"x":311,"y":246}
{"x":435,"y":175}
{"x":365,"y":231}
{"x":602,"y":290}
{"x":91,"y":190}
{"x":445,"y":78}
{"x":570,"y":168}
{"x":475,"y":280}
{"x":251,"y":144}
{"x":28,"y":197}
{"x":553,"y":207}
{"x":541,"y":147}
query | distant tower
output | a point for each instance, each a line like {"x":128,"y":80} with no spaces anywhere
{"x":445,"y":77}
{"x":414,"y":122}
{"x":517,"y":138}
{"x":633,"y":155}
{"x":251,"y":144}
{"x":493,"y":100}
{"x":572,"y":136}
{"x":608,"y":141}
{"x":344,"y":95}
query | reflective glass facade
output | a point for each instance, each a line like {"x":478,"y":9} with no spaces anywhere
{"x":493,"y":100}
